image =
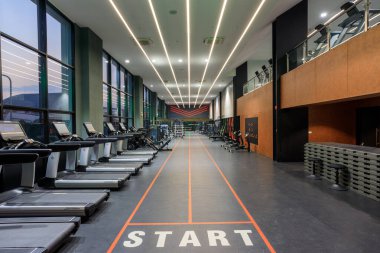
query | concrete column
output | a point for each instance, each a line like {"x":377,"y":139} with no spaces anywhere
{"x":138,"y":101}
{"x":88,"y":79}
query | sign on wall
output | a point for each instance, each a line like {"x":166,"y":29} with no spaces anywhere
{"x":183,"y":113}
{"x":252,"y":129}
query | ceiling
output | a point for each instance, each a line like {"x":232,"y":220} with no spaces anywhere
{"x":256,"y":45}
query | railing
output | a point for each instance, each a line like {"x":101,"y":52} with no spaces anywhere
{"x":259,"y":80}
{"x":354,"y":18}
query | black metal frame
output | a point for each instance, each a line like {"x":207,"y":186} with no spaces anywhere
{"x":43,"y":85}
{"x":128,"y":117}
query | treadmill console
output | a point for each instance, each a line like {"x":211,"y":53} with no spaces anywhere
{"x":110,"y":127}
{"x":122,"y":127}
{"x":11,"y":131}
{"x":61,"y":129}
{"x":89,"y":128}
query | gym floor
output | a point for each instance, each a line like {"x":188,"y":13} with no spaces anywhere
{"x":201,"y":198}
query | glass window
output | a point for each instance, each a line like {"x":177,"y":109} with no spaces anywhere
{"x":123,"y":112}
{"x":105,"y":68}
{"x":122,"y":80}
{"x":115,"y":102}
{"x":60,"y":117}
{"x":32,"y":122}
{"x":20,"y":74}
{"x":129,"y":84}
{"x":18,"y":18}
{"x":59,"y":86}
{"x":59,"y":42}
{"x":129,"y":106}
{"x":105,"y":99}
{"x":114,"y":75}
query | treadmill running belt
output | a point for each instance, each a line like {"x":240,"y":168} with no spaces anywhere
{"x":59,"y":197}
{"x":95,"y":176}
{"x":36,"y":235}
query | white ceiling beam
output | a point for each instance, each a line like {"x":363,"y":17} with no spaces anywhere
{"x":188,"y":47}
{"x":235,"y":47}
{"x":164,"y":46}
{"x":141,"y":48}
{"x":212,"y":47}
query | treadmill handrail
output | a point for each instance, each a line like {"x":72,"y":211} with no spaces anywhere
{"x":9,"y":157}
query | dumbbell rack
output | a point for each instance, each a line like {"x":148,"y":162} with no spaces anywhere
{"x":363,"y":164}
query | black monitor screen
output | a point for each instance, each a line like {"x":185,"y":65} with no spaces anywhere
{"x":90,"y":128}
{"x":61,"y":128}
{"x":122,"y":126}
{"x":111,"y":127}
{"x":12,"y":131}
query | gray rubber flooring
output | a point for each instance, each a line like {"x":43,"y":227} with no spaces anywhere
{"x":201,"y":198}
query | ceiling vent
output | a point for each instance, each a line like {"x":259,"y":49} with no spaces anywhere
{"x":218,"y":41}
{"x":145,"y":41}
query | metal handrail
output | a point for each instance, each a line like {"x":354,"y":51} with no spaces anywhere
{"x":261,"y":73}
{"x":327,"y":23}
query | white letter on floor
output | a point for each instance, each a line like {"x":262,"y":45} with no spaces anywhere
{"x":217,"y":235}
{"x":245,"y":236}
{"x":190,"y":237}
{"x":162,"y":238}
{"x":135,"y":239}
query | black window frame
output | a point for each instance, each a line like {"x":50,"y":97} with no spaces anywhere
{"x":109,"y":117}
{"x":44,"y":58}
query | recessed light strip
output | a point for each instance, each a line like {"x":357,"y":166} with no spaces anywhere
{"x":235,"y":47}
{"x":188,"y":44}
{"x":164,"y":46}
{"x":141,"y":48}
{"x":212,"y":47}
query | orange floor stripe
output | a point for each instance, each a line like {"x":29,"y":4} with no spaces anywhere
{"x":187,"y":223}
{"x":126,"y":224}
{"x":190,"y":193}
{"x":256,"y":226}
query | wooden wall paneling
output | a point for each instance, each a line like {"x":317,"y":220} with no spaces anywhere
{"x":305,"y":84}
{"x":331,"y":75}
{"x":259,"y":104}
{"x":364,"y":63}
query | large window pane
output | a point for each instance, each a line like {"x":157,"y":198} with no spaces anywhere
{"x":105,"y":99}
{"x":58,"y":36}
{"x":18,"y":18}
{"x":123,"y":112}
{"x":129,"y":84}
{"x":115,"y":102}
{"x":59,"y":86}
{"x":105,"y":68}
{"x":32,"y":122}
{"x":122,"y":80}
{"x":20,"y":75}
{"x":114,"y":75}
{"x":59,"y":117}
{"x":129,"y":106}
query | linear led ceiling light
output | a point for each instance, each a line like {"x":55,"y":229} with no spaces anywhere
{"x":188,"y":44}
{"x":164,"y":46}
{"x":235,"y":47}
{"x":141,"y":48}
{"x":212,"y":47}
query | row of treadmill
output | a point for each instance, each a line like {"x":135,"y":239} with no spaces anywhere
{"x":61,"y":183}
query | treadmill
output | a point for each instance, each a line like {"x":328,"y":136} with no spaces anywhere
{"x":354,"y":23}
{"x":88,"y":160}
{"x":110,"y":151}
{"x":32,"y":234}
{"x":68,"y":178}
{"x":28,"y":201}
{"x":111,"y":129}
